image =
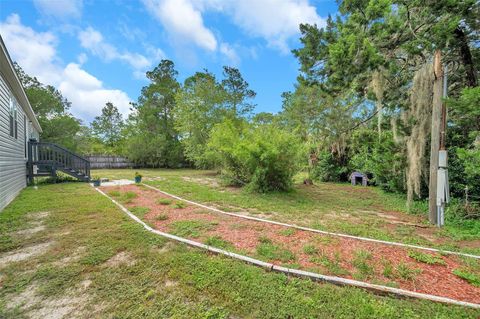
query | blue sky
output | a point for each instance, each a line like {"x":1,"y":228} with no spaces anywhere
{"x":98,"y":51}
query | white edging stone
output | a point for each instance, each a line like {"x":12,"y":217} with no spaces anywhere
{"x":295,"y":272}
{"x":392,"y":243}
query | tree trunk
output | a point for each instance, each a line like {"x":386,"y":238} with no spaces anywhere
{"x":435,"y":136}
{"x":466,"y":56}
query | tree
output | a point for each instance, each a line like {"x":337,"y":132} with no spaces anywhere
{"x":152,"y":139}
{"x":51,"y":109}
{"x":237,"y":92}
{"x":375,"y":51}
{"x":108,"y":126}
{"x":200,"y":106}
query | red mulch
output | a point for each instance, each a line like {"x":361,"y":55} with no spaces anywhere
{"x":244,"y":236}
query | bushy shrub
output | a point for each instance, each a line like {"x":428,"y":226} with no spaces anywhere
{"x":329,"y":169}
{"x":381,"y":158}
{"x":263,"y":157}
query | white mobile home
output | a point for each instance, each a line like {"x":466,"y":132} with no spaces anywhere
{"x":17,"y":124}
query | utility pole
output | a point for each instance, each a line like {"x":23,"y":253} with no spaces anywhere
{"x":435,"y":136}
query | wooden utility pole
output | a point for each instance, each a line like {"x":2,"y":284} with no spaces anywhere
{"x":435,"y":136}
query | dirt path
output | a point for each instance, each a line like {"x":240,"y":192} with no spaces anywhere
{"x":348,"y":258}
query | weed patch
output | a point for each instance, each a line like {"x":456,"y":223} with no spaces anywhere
{"x":331,"y":264}
{"x":191,"y":228}
{"x":270,"y":251}
{"x":310,"y":250}
{"x":140,"y":211}
{"x":426,"y":258}
{"x":219,"y":242}
{"x":164,"y":201}
{"x":287,"y":232}
{"x":406,"y":272}
{"x":179,"y":205}
{"x":472,"y":278}
{"x":361,"y":262}
{"x":161,"y":217}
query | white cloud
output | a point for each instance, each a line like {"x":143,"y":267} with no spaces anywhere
{"x":36,"y":53}
{"x":183,"y":21}
{"x":93,"y":41}
{"x":230,"y":53}
{"x":82,"y":58}
{"x":88,"y":94}
{"x":60,"y":8}
{"x":34,"y":50}
{"x":276,"y":21}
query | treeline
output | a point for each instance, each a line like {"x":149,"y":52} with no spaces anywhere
{"x":362,"y":101}
{"x":203,"y":122}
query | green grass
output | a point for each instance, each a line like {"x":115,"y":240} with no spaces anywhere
{"x":317,"y":206}
{"x":269,"y":251}
{"x":472,"y":278}
{"x":140,"y":211}
{"x":161,"y":217}
{"x":332,"y":265}
{"x":114,"y":193}
{"x":361,"y":261}
{"x":191,"y":228}
{"x":407,"y":272}
{"x":388,"y":270}
{"x":310,"y":250}
{"x":179,"y":205}
{"x":426,"y":258}
{"x":219,"y":242}
{"x":206,"y":285}
{"x":287,"y":232}
{"x":164,"y":201}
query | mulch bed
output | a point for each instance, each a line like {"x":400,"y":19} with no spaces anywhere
{"x":351,"y":258}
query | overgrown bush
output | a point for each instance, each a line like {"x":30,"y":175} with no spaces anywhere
{"x":329,"y":169}
{"x":263,"y":158}
{"x":380,"y":158}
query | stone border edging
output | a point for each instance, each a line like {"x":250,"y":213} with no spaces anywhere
{"x":295,"y":272}
{"x":392,"y":243}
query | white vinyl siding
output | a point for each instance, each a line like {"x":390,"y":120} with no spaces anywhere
{"x":12,"y":150}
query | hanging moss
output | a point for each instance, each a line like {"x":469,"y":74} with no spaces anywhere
{"x":378,"y":87}
{"x":417,"y":119}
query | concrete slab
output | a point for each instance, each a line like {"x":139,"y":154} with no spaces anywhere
{"x":118,"y":182}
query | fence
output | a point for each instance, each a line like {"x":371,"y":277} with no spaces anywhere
{"x":107,"y":161}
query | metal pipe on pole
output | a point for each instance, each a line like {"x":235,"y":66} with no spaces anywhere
{"x":435,"y":136}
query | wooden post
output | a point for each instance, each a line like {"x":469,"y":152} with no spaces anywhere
{"x":435,"y":136}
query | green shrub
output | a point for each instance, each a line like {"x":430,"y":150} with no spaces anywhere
{"x":329,"y":169}
{"x":262,"y":157}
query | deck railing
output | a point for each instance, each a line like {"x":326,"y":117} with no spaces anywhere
{"x":56,"y":157}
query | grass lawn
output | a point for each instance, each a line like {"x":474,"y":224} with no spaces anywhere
{"x":359,"y":211}
{"x":66,"y":249}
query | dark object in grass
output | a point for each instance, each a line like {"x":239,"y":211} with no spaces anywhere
{"x":138,"y":177}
